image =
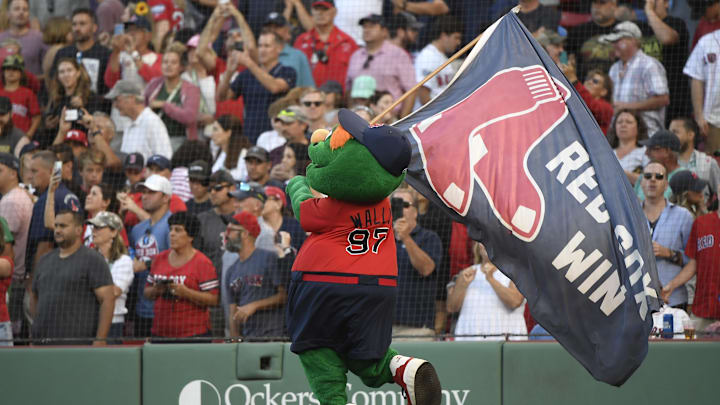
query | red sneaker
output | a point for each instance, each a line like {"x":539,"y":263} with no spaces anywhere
{"x":418,"y":379}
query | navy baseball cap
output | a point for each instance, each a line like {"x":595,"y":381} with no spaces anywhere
{"x":246,"y":190}
{"x":139,"y":22}
{"x":385,"y":142}
{"x":275,"y":18}
{"x":373,"y":18}
{"x":159,"y":161}
{"x":10,"y":161}
{"x":663,"y":139}
{"x":685,"y":180}
{"x":134,"y":160}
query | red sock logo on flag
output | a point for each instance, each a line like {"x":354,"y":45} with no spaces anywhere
{"x":487,"y":138}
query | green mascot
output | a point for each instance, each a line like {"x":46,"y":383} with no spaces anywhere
{"x":341,"y":299}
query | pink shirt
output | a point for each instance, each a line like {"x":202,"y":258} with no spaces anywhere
{"x":391,"y":67}
{"x":16,"y":207}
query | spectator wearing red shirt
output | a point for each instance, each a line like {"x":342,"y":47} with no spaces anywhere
{"x":26,"y":110}
{"x":703,"y":249}
{"x":327,"y":47}
{"x":709,"y":11}
{"x":131,"y":56}
{"x":183,"y":283}
{"x":596,"y":91}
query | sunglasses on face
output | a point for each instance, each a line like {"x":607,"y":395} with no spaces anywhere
{"x":312,"y":103}
{"x":218,"y":187}
{"x":658,"y":176}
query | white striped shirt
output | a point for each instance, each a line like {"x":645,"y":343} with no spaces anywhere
{"x":483,"y":313}
{"x":639,"y":79}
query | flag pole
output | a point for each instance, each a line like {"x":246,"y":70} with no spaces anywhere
{"x":425,"y":80}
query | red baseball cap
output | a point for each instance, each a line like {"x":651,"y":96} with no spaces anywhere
{"x":272,"y":191}
{"x":323,"y":3}
{"x":76,"y":135}
{"x":247,"y":221}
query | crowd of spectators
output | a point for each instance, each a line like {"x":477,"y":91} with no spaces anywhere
{"x":145,"y":148}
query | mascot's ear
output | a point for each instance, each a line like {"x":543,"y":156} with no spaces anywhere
{"x":319,"y":135}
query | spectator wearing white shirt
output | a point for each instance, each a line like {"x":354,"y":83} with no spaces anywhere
{"x":627,"y":131}
{"x":640,"y":82}
{"x":447,"y":34}
{"x":147,"y":133}
{"x":703,"y":67}
{"x":489,"y":303}
{"x":348,"y":15}
{"x":110,"y":243}
{"x":233,"y":145}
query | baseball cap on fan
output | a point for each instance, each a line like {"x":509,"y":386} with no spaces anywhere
{"x":625,"y":29}
{"x":685,"y":180}
{"x":247,"y":221}
{"x":323,"y":4}
{"x":199,"y":170}
{"x":157,"y":183}
{"x":135,"y":161}
{"x":106,"y":219}
{"x":276,"y":19}
{"x":76,"y":135}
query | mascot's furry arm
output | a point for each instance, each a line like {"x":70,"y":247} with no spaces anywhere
{"x":299,"y":191}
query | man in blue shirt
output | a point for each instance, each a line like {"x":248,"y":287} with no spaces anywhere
{"x":670,"y":226}
{"x":40,"y":239}
{"x":290,"y":56}
{"x":149,"y":238}
{"x":419,"y":252}
{"x":260,"y":85}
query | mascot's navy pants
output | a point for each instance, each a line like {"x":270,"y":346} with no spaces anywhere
{"x":341,"y":322}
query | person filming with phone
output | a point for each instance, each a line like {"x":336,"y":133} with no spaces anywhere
{"x":70,"y":97}
{"x":419,"y":250}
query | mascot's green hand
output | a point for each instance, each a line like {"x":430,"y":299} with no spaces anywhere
{"x":299,"y":191}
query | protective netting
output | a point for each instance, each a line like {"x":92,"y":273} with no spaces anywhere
{"x":117,"y":119}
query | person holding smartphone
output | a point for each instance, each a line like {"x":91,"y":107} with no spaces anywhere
{"x":183,"y":283}
{"x":132,"y":57}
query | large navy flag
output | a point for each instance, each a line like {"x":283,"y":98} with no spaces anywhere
{"x":511,"y":150}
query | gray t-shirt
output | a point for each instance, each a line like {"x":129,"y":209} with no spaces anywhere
{"x":67,"y":306}
{"x":209,"y":241}
{"x":256,"y":278}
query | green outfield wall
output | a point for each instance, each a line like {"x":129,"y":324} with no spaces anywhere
{"x":269,"y":374}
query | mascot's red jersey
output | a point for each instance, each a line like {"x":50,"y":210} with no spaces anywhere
{"x":347,"y":238}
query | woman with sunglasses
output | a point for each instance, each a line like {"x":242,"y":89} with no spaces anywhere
{"x":106,"y":230}
{"x":625,"y":134}
{"x":227,"y":135}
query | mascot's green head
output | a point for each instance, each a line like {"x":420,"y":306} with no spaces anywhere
{"x":355,"y":162}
